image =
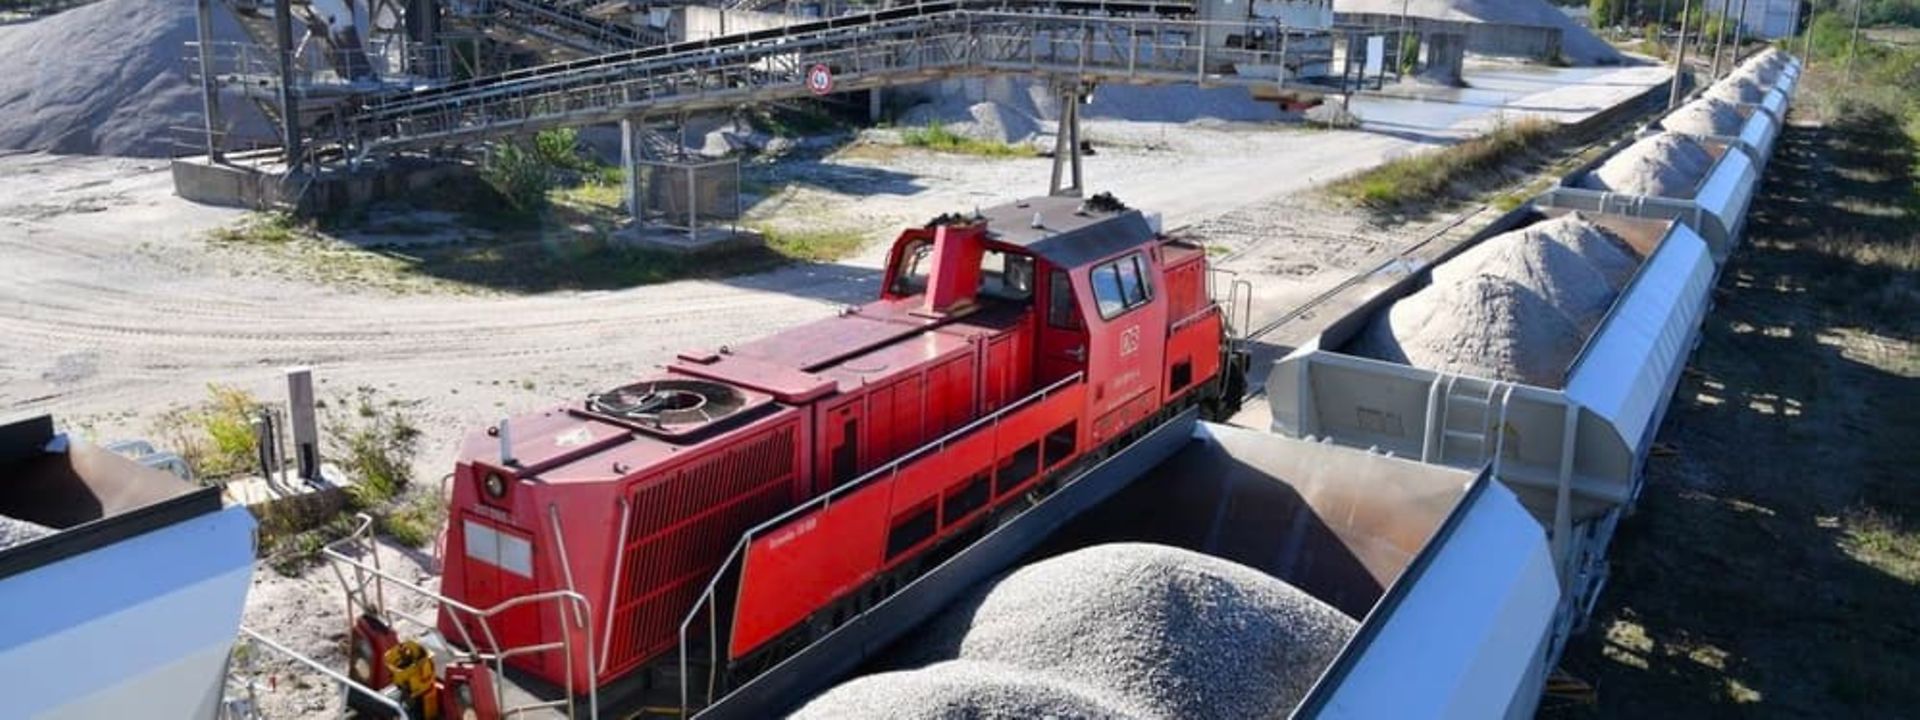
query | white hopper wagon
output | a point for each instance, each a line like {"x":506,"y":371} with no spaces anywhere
{"x":121,"y":585}
{"x":1449,"y":574}
{"x":1758,"y":131}
{"x":1716,"y":208}
{"x":1572,"y":453}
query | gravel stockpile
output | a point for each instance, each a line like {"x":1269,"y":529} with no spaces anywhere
{"x":1168,"y":632}
{"x":961,"y":689}
{"x":1516,"y":307}
{"x":1705,"y":116}
{"x":1483,"y":326}
{"x":1739,"y":89}
{"x":1016,"y":110}
{"x":1665,"y":165}
{"x":20,"y":532}
{"x":105,"y":78}
{"x":1547,"y":259}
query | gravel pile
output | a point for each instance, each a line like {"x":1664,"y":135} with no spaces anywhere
{"x":1705,"y":116}
{"x":1571,"y":263}
{"x":1738,"y":88}
{"x":961,"y":689}
{"x":1018,"y":110}
{"x":1517,"y":307}
{"x":1665,"y":165}
{"x":14,"y":531}
{"x":106,"y":78}
{"x":1118,"y":630}
{"x":1484,"y":326}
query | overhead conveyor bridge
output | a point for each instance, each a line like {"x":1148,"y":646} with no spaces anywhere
{"x":896,"y":46}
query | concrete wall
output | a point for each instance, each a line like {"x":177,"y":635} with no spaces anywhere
{"x":1765,"y":18}
{"x":1518,"y":41}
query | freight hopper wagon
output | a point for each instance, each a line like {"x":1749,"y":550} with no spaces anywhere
{"x":1444,"y":568}
{"x":1712,"y":203}
{"x":1754,"y":126}
{"x":1571,"y":445}
{"x":768,"y":492}
{"x":121,"y":586}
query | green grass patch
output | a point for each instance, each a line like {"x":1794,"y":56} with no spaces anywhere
{"x":936,"y":137}
{"x":811,"y":245}
{"x":214,"y":436}
{"x":1437,"y":177}
{"x":1877,"y":540}
{"x":374,"y":442}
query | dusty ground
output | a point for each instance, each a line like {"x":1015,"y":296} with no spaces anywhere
{"x":1772,"y":567}
{"x":117,"y":306}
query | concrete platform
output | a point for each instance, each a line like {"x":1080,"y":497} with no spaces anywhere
{"x":683,"y":242}
{"x":258,"y":180}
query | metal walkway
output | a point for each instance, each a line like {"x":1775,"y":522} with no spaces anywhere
{"x":571,"y":25}
{"x":1128,"y":43}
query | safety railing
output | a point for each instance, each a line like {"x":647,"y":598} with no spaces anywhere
{"x":365,"y":583}
{"x":348,"y":686}
{"x":707,"y":602}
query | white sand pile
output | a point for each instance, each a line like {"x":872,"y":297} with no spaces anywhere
{"x":105,"y":78}
{"x":961,"y":689}
{"x":1705,"y":116}
{"x":1738,"y":88}
{"x":1570,"y":262}
{"x":1665,"y":165}
{"x":20,"y":532}
{"x":1169,"y":632}
{"x":1577,"y":44}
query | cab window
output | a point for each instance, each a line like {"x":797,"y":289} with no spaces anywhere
{"x":1120,"y":285}
{"x":1062,"y":311}
{"x":915,"y":260}
{"x":1004,"y":276}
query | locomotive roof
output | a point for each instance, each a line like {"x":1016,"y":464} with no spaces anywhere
{"x":1067,"y":236}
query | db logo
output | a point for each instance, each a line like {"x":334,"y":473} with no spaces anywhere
{"x":820,"y":79}
{"x":1129,"y":340}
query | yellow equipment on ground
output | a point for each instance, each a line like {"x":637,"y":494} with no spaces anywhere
{"x":412,"y":668}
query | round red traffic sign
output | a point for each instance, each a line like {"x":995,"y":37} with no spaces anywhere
{"x":820,"y":79}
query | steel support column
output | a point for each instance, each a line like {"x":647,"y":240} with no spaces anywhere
{"x":289,"y":97}
{"x":1066,"y":143}
{"x":630,"y":164}
{"x":209,"y":91}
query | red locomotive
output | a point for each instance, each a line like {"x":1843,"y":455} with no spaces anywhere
{"x":1007,"y":351}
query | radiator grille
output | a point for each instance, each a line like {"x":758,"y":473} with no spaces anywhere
{"x":683,"y":528}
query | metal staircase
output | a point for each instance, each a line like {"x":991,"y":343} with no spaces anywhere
{"x":1146,"y":42}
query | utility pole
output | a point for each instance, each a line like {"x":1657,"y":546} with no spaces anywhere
{"x":1719,"y":38}
{"x":1853,"y":42}
{"x":1739,"y":36}
{"x":1679,"y":60}
{"x":1399,"y":46}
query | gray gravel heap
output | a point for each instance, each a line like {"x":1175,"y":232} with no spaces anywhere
{"x":1705,"y":116}
{"x":962,"y":689}
{"x":1552,"y":258}
{"x":1738,"y":88}
{"x":1174,"y":633}
{"x":1667,"y":165}
{"x":1516,"y":307}
{"x":109,"y":78}
{"x":14,"y":531}
{"x":1120,"y":630}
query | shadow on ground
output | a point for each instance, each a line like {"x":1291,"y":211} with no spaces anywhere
{"x":1741,"y":585}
